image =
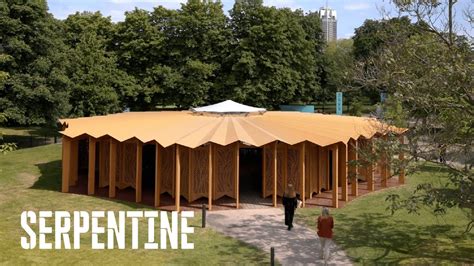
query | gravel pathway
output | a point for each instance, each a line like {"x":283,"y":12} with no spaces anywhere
{"x":265,"y":228}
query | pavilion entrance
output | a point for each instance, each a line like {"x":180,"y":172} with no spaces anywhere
{"x":251,"y":179}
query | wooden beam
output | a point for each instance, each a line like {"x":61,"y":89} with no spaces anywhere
{"x":401,"y":157}
{"x":353,"y":167}
{"x":383,"y":167}
{"x":177,"y":186}
{"x":157,"y":174}
{"x":310,"y":166}
{"x":138,"y":172}
{"x":66,"y":163}
{"x":209,"y":198}
{"x":320,"y":168}
{"x":335,"y":170}
{"x":237,"y":174}
{"x":302,"y":171}
{"x":112,"y":167}
{"x":343,"y":170}
{"x":274,"y":173}
{"x":264,"y":174}
{"x":91,"y":170}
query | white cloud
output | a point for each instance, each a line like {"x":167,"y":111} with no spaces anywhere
{"x":357,"y":6}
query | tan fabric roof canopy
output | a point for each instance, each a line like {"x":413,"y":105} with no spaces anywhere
{"x":192,"y":130}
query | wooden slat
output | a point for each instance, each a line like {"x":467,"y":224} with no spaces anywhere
{"x":157,"y":174}
{"x":91,"y":170}
{"x":210,"y":172}
{"x":370,"y":169}
{"x":112,"y":167}
{"x":190,"y":174}
{"x":274,"y":173}
{"x":177,"y":178}
{"x":66,"y":163}
{"x":264,"y":174}
{"x":138,"y":172}
{"x":401,"y":157}
{"x":237,"y":157}
{"x":320,"y":168}
{"x":335,"y":170}
{"x":352,"y":147}
{"x":343,"y":170}
{"x":302,"y":172}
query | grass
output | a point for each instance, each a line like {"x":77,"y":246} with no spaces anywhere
{"x":371,"y":235}
{"x":30,"y":180}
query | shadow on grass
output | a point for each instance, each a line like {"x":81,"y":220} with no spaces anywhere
{"x":410,"y":241}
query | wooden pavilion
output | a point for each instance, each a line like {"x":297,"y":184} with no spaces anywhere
{"x":195,"y":153}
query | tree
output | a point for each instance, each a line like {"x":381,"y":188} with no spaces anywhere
{"x":36,"y":90}
{"x":429,"y":77}
{"x":99,"y":87}
{"x":87,"y":22}
{"x":274,"y":57}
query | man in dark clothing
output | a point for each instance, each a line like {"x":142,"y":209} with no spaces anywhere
{"x":290,"y":202}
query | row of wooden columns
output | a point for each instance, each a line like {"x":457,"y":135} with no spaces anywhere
{"x":341,"y":154}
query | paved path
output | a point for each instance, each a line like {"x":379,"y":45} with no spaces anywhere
{"x":265,"y":228}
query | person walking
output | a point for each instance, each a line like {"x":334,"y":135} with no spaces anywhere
{"x":289,"y":201}
{"x":325,"y":226}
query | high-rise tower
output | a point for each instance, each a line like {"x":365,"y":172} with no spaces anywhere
{"x":329,"y":23}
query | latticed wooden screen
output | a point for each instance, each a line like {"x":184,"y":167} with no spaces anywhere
{"x":311,"y":169}
{"x":199,"y":173}
{"x":167,"y":169}
{"x":224,"y":171}
{"x":184,"y":171}
{"x":104,"y":162}
{"x":268,"y":153}
{"x":294,"y":170}
{"x":126,"y":164}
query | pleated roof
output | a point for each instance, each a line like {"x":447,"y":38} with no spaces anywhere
{"x":195,"y":128}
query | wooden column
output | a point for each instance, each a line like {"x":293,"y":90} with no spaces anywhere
{"x":335,"y":170}
{"x":190,"y":174}
{"x":112,"y":167}
{"x":74,"y":162}
{"x":274,"y":173}
{"x":370,"y":169}
{"x":209,"y":198}
{"x":320,"y":168}
{"x":285,"y":167}
{"x":353,"y":144}
{"x":177,"y":186}
{"x":264,"y":174}
{"x":138,"y":172}
{"x":302,"y":171}
{"x":237,"y":175}
{"x":91,"y":172}
{"x":66,"y":163}
{"x":383,"y":167}
{"x":343,"y":170}
{"x":157,"y":174}
{"x":401,"y":157}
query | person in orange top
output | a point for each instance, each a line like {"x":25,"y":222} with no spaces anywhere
{"x":325,"y":226}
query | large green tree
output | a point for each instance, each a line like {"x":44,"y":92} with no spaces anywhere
{"x":274,"y":58}
{"x":37,"y":87}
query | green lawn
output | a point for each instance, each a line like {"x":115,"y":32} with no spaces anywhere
{"x":370,"y":235}
{"x":30,"y":180}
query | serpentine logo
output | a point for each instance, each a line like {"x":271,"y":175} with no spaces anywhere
{"x":104,"y":225}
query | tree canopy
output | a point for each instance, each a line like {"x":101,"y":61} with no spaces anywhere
{"x":87,"y":65}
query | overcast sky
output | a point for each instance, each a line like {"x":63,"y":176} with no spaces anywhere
{"x":351,"y":13}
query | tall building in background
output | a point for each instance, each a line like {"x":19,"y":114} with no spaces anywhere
{"x":329,"y":23}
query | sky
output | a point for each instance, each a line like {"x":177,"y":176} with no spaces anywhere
{"x":350,"y":13}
